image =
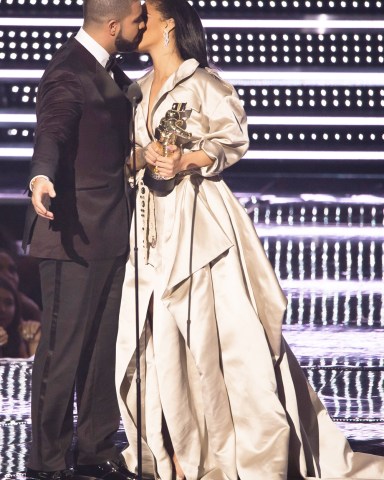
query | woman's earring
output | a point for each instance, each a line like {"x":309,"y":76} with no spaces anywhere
{"x":166,"y":37}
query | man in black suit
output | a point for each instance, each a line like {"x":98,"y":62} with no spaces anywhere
{"x":78,"y":226}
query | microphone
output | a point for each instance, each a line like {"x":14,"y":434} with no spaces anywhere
{"x":133,"y":93}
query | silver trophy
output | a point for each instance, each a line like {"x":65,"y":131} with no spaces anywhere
{"x":171,"y":131}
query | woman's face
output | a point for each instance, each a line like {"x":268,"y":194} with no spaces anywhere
{"x":153,"y":33}
{"x":8,"y":269}
{"x":7,"y":308}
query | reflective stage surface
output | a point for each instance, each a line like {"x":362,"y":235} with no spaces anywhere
{"x":329,"y":254}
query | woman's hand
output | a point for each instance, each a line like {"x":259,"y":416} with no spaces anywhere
{"x":166,"y":167}
{"x":30,"y":332}
{"x":3,"y":337}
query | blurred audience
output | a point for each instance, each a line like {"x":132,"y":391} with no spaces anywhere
{"x":18,"y":337}
{"x":27,"y":267}
{"x":30,"y":310}
{"x":19,"y":313}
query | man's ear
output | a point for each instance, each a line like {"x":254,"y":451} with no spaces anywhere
{"x":113,"y":27}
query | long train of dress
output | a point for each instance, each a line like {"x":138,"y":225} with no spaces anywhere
{"x":214,"y":366}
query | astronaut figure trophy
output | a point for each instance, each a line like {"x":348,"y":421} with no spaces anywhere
{"x":171,"y":131}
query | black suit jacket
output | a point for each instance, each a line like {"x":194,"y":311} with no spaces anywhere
{"x":81,"y":142}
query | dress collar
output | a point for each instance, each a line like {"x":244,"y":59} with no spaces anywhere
{"x":186,"y":69}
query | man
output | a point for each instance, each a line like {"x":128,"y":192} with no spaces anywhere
{"x":80,"y":233}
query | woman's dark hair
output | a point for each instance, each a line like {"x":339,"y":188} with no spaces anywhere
{"x":189,"y":31}
{"x":12,"y":348}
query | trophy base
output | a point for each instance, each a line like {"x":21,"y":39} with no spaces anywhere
{"x":158,"y":184}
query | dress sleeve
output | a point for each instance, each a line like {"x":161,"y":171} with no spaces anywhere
{"x":227,"y":140}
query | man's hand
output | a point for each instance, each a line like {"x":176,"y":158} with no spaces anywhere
{"x":42,"y":188}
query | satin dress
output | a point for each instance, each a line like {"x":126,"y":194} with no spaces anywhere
{"x":214,"y":367}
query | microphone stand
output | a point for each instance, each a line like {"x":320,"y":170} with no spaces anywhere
{"x":134,"y":95}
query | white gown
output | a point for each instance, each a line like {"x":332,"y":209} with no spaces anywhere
{"x":214,"y":366}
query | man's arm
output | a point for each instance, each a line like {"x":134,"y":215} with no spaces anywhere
{"x":59,"y":111}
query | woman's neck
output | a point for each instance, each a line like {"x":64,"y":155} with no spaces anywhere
{"x":165,"y":65}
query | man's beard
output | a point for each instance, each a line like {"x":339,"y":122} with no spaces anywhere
{"x":123,"y":45}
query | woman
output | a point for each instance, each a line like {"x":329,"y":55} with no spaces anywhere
{"x":222,"y":395}
{"x":18,"y":338}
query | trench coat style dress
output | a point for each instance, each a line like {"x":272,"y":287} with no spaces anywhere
{"x":214,"y":366}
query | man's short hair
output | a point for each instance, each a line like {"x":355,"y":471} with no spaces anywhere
{"x":101,"y":10}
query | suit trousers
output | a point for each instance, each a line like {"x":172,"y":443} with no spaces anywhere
{"x":75,"y":359}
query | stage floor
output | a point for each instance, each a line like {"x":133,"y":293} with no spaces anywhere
{"x":328,"y":252}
